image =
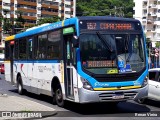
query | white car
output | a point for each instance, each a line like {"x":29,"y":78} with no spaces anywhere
{"x":154,"y":85}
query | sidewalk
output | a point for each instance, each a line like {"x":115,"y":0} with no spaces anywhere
{"x":14,"y":107}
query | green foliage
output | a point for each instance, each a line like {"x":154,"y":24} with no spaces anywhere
{"x":157,"y":44}
{"x":20,"y":21}
{"x":48,"y":20}
{"x":105,"y":7}
{"x":7,"y":25}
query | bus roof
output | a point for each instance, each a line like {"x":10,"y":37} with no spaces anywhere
{"x":107,"y":18}
{"x":43,"y":28}
{"x":67,"y":22}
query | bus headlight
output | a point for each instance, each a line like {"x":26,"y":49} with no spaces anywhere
{"x":145,"y":82}
{"x":86,"y":84}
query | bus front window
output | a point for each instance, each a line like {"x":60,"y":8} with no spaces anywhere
{"x":101,"y":53}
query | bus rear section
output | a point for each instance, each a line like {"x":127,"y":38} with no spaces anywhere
{"x":111,"y":60}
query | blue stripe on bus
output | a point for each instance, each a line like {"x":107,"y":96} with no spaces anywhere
{"x":36,"y":61}
{"x":93,"y":81}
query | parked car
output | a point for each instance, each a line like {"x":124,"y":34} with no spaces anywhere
{"x":154,"y":85}
{"x":2,"y":68}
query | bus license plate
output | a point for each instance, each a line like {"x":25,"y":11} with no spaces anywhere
{"x":118,"y":96}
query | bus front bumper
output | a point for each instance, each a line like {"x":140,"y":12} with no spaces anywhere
{"x":87,"y":96}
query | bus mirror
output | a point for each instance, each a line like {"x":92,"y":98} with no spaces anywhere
{"x":75,"y":41}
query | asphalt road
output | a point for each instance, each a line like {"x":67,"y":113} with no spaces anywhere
{"x":72,"y":111}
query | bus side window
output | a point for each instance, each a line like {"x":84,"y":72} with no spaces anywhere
{"x":42,"y":40}
{"x":54,"y":45}
{"x":22,"y":48}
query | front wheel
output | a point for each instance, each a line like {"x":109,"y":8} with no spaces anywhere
{"x":59,"y":97}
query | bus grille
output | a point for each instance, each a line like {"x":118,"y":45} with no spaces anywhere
{"x":109,"y":96}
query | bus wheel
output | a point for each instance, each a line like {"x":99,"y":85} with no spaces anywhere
{"x":53,"y":99}
{"x":20,"y":86}
{"x":59,"y":97}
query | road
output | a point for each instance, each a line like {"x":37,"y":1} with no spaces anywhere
{"x":73,"y":111}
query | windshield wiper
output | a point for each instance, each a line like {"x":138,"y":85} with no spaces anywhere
{"x":103,"y":41}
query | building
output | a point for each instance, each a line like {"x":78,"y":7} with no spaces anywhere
{"x":32,"y":10}
{"x":148,"y":12}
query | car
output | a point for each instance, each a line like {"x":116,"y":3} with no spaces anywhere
{"x":2,"y":68}
{"x":154,"y":85}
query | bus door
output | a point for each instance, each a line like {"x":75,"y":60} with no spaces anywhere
{"x":68,"y":66}
{"x":11,"y":60}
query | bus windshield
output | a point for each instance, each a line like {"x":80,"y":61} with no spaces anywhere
{"x":102,"y":53}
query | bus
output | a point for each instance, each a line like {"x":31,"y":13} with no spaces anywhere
{"x":80,"y":59}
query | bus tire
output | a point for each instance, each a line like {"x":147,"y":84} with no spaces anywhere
{"x":59,"y":96}
{"x":53,"y":99}
{"x":20,"y":85}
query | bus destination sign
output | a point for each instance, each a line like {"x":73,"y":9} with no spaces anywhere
{"x":101,"y":25}
{"x":110,"y":26}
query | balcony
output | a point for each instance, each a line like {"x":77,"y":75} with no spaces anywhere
{"x":158,"y":14}
{"x":50,"y":6}
{"x":144,"y":6}
{"x":49,"y":13}
{"x":153,"y":30}
{"x":157,"y":22}
{"x":153,"y":13}
{"x":144,"y":22}
{"x":144,"y":15}
{"x":26,"y":3}
{"x":29,"y":17}
{"x":158,"y":6}
{"x":27,"y":10}
{"x":158,"y":30}
{"x":153,"y":5}
{"x":149,"y":21}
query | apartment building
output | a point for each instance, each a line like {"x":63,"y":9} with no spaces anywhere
{"x":148,"y":12}
{"x":32,"y":10}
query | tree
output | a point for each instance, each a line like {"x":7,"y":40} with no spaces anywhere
{"x":20,"y":21}
{"x":157,"y":44}
{"x":105,"y":7}
{"x":6,"y":22}
{"x":48,"y":20}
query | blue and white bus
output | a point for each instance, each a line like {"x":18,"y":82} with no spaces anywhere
{"x":81,"y":59}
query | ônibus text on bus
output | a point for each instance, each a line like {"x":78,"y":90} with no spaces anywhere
{"x":80,"y":59}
